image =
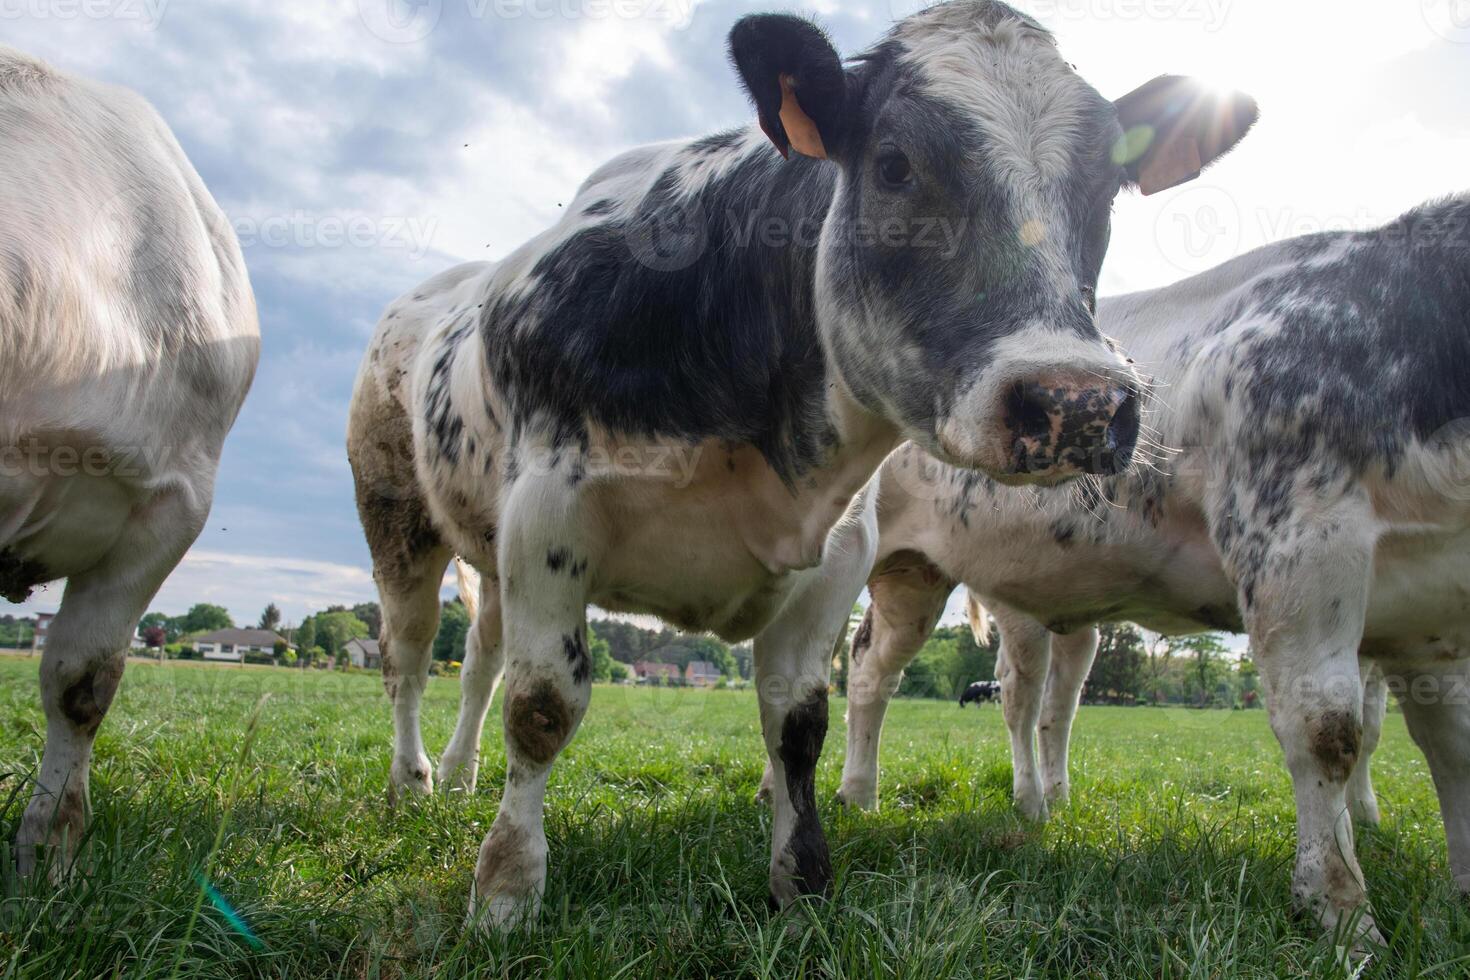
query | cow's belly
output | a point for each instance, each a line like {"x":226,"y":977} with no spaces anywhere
{"x":55,"y":527}
{"x":690,"y":566}
{"x":1420,"y":601}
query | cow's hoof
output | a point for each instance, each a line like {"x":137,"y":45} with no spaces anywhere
{"x":763,"y":795}
{"x":408,"y":778}
{"x":458,"y":776}
{"x":47,"y":839}
{"x":1033,"y":808}
{"x":1057,"y":795}
{"x":858,"y":797}
{"x":504,"y":913}
{"x":1365,"y":811}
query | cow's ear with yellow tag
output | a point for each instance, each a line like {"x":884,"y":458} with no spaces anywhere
{"x":1174,"y":127}
{"x":796,"y":79}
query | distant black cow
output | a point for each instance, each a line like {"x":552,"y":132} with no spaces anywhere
{"x":980,"y":692}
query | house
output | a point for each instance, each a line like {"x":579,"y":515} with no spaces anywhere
{"x":233,"y":644}
{"x":365,"y":653}
{"x":651,"y":673}
{"x":702,"y":673}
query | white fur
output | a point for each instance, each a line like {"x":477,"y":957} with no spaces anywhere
{"x":128,"y":337}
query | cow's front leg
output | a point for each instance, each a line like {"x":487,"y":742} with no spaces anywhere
{"x":1303,"y":582}
{"x":1071,"y":660}
{"x":908,"y":595}
{"x":1022,"y":667}
{"x":484,"y":663}
{"x":83,"y":665}
{"x":1361,"y":798}
{"x":546,"y":558}
{"x":793,"y":662}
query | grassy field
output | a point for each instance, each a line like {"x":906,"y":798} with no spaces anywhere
{"x":1172,"y":861}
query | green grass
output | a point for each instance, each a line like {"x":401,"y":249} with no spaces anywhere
{"x":1172,"y":861}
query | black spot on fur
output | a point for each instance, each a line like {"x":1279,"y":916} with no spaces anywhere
{"x":802,"y":734}
{"x":557,"y":558}
{"x":574,"y":645}
{"x":18,"y":576}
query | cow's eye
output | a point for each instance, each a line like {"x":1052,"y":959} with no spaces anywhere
{"x":894,"y":170}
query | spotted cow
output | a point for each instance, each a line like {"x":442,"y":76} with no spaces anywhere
{"x":1305,"y":479}
{"x":128,"y":339}
{"x":671,"y":402}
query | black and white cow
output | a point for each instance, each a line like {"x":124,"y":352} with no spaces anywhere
{"x":671,"y":401}
{"x":980,"y":692}
{"x":128,"y":340}
{"x":1315,"y":493}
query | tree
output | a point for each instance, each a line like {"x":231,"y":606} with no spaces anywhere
{"x":306,"y":635}
{"x":601,"y":653}
{"x":1203,"y":684}
{"x":1117,"y":673}
{"x":270,"y":619}
{"x":155,"y":637}
{"x":205,"y":618}
{"x":369,"y":613}
{"x":454,"y":625}
{"x":334,"y":630}
{"x":159,"y":620}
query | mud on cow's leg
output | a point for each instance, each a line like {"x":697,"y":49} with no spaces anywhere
{"x":1022,"y":667}
{"x":793,"y":660}
{"x":83,"y":666}
{"x":907,"y":598}
{"x":1303,"y":583}
{"x":547,"y":556}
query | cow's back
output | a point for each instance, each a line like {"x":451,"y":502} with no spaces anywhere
{"x":122,"y":286}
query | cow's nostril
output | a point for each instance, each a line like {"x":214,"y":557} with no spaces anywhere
{"x":1122,"y":435}
{"x":1027,"y":415}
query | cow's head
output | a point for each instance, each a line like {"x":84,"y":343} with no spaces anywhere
{"x":958,"y":263}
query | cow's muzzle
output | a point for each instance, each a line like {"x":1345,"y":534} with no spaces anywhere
{"x":1047,"y":426}
{"x":1064,"y":427}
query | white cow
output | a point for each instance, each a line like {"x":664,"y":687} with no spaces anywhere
{"x":1309,"y":486}
{"x":128,"y":340}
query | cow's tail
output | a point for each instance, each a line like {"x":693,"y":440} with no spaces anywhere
{"x":469,"y":587}
{"x":979,"y":618}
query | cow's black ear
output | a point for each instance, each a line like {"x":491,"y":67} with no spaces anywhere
{"x":795,"y":78}
{"x":1174,"y":127}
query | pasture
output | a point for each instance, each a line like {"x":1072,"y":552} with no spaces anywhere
{"x":1173,"y":859}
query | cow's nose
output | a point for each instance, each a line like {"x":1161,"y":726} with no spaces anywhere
{"x":1060,"y":424}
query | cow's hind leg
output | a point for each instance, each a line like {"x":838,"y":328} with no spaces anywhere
{"x":1022,"y":668}
{"x":484,"y":662}
{"x":409,"y":559}
{"x":1361,"y":798}
{"x":1071,"y":660}
{"x":84,"y":659}
{"x":908,"y":595}
{"x":548,"y":553}
{"x":1436,"y":703}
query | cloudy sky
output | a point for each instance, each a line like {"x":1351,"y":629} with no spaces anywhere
{"x":363,"y":145}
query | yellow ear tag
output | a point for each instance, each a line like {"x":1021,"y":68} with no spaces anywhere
{"x":800,"y":129}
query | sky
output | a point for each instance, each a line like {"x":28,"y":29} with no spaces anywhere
{"x":360,"y":146}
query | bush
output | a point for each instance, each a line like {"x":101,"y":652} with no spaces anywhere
{"x":264,"y":659}
{"x":288,"y":657}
